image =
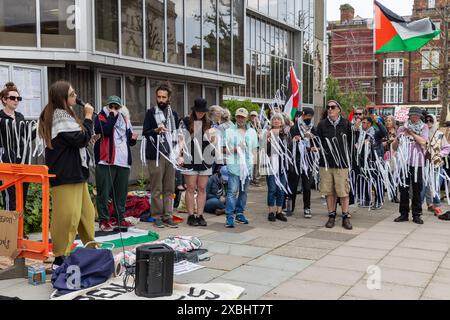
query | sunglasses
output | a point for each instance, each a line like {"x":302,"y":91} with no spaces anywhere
{"x":358,"y":114}
{"x":72,"y":94}
{"x":13,"y":98}
{"x":114,"y":106}
{"x":429,"y":121}
{"x":331,"y":107}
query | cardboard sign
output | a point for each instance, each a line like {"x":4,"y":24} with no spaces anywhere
{"x":9,"y":225}
{"x":401,"y":114}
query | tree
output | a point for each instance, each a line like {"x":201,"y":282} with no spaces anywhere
{"x":348,"y":100}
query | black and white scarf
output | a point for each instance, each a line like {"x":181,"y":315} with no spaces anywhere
{"x":415,"y":127}
{"x":64,"y":122}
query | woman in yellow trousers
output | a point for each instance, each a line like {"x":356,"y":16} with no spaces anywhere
{"x":66,"y":138}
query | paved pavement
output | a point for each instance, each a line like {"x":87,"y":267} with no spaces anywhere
{"x":301,"y":259}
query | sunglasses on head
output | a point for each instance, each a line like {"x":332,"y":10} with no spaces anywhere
{"x":13,"y":98}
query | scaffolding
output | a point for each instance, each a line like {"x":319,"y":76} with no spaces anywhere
{"x":352,"y":59}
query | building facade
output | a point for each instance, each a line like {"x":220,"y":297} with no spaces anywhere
{"x":218,"y":49}
{"x":396,"y":78}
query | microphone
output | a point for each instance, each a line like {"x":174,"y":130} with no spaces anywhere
{"x":82,"y":103}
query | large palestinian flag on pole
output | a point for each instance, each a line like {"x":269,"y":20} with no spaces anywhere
{"x":293,"y":94}
{"x":393,"y":33}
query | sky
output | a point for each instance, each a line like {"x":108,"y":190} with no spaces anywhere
{"x":364,"y":8}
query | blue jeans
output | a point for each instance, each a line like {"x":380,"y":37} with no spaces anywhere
{"x":236,"y":197}
{"x":275,"y":195}
{"x":213,"y":204}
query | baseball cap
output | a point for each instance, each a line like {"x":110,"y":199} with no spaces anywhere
{"x":114,"y":100}
{"x":242,"y":112}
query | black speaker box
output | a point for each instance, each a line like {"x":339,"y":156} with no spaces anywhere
{"x":154,"y":270}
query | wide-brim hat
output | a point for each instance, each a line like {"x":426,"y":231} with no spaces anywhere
{"x":200,"y":105}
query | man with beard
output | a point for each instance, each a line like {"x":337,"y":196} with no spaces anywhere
{"x":162,"y":121}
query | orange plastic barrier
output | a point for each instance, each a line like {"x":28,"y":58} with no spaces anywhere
{"x":16,"y":175}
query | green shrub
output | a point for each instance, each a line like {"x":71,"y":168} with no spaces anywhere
{"x":233,"y":105}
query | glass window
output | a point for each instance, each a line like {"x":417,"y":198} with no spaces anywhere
{"x":210,"y":34}
{"x":58,"y":23}
{"x":132,"y":28}
{"x":111,"y":86}
{"x":18,"y":23}
{"x":175,"y":32}
{"x":393,"y":67}
{"x":438,"y":27}
{"x":298,"y":8}
{"x":258,"y":35}
{"x":252,"y":4}
{"x":291,"y":12}
{"x":238,"y":36}
{"x":431,"y":4}
{"x":248,"y":69}
{"x":193,"y":36}
{"x":273,"y":8}
{"x":154,"y":11}
{"x":254,"y":62}
{"x":264,"y":6}
{"x":177,"y":99}
{"x":211,"y":96}
{"x":282,"y":7}
{"x":263,"y":76}
{"x":225,"y":36}
{"x":393,"y":92}
{"x":194,"y":92}
{"x":107,"y":26}
{"x":135,"y":88}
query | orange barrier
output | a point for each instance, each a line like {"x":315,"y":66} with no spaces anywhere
{"x":16,"y":175}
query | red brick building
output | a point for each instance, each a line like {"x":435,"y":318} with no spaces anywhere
{"x":402,"y":78}
{"x":351,"y":59}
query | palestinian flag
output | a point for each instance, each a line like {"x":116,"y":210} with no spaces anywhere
{"x":393,"y":33}
{"x":293,"y":95}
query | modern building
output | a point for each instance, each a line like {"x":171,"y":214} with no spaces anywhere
{"x":218,"y":49}
{"x":388,"y":79}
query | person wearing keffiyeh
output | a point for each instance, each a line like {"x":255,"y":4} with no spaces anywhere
{"x":416,"y":132}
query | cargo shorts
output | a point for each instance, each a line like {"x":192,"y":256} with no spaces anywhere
{"x":334,"y":181}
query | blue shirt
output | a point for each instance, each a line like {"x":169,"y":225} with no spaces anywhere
{"x":232,"y":139}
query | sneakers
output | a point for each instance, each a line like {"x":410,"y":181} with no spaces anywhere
{"x":417,"y":220}
{"x":192,"y":221}
{"x":240,"y":218}
{"x":437,"y":211}
{"x":346,"y":224}
{"x":401,"y":219}
{"x":169,"y":223}
{"x":57,"y":262}
{"x":158,"y":223}
{"x":230,"y":222}
{"x":272,"y":217}
{"x":331,"y":222}
{"x":106,"y":226}
{"x":281,"y":217}
{"x":201,"y":221}
{"x":308,"y":214}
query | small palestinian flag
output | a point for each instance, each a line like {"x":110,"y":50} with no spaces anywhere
{"x":293,"y":95}
{"x":393,"y":33}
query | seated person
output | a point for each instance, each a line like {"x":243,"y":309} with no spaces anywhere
{"x":215,"y":192}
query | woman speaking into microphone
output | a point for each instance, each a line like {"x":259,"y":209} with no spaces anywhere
{"x":66,"y":138}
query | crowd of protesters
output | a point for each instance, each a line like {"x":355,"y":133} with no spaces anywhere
{"x":213,"y":156}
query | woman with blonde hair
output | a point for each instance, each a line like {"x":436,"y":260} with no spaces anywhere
{"x":66,"y":138}
{"x":215,"y":115}
{"x":273,"y":166}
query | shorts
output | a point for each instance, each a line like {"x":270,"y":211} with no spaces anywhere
{"x":334,"y":181}
{"x":207,"y":172}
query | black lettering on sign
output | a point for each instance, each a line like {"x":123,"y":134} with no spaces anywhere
{"x":5,"y":243}
{"x":4,"y":219}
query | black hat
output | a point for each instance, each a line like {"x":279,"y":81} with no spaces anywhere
{"x":200,"y":105}
{"x":308,"y":111}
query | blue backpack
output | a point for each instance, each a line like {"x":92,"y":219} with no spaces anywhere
{"x":85,"y":268}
